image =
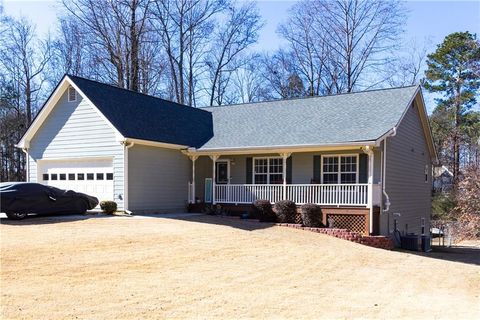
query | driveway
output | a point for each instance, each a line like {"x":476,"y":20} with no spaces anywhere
{"x":186,"y":266}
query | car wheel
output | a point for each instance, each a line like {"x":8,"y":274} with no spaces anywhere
{"x":16,"y":216}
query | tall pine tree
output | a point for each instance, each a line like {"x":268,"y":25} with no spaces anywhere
{"x":454,"y":72}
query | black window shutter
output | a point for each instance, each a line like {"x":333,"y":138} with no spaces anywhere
{"x":316,"y":169}
{"x":289,"y":170}
{"x":249,"y":170}
{"x":363,"y":168}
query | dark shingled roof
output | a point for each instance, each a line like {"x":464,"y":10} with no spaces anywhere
{"x":139,"y":116}
{"x":342,"y":118}
{"x":335,"y":119}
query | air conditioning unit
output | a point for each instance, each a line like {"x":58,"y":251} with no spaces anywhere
{"x":426,"y":244}
{"x":409,"y":242}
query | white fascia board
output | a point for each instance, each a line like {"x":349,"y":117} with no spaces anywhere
{"x":278,"y":148}
{"x":428,"y":128}
{"x":156,"y":144}
{"x":423,"y":120}
{"x":43,"y":113}
{"x":391,"y":130}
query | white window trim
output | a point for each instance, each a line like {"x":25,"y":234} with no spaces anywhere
{"x":268,"y":167}
{"x":68,"y":94}
{"x":228,"y":171}
{"x":357,"y":173}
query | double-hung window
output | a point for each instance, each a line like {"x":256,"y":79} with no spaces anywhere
{"x":268,"y":170}
{"x":340,"y":169}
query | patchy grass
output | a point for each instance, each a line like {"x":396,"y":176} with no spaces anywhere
{"x":209,"y":267}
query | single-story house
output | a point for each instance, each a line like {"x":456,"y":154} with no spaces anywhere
{"x":365,"y":157}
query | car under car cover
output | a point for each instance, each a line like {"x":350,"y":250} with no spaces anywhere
{"x":26,"y":197}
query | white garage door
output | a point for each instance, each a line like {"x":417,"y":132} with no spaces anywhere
{"x":91,"y":176}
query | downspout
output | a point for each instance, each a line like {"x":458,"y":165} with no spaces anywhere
{"x":127,"y":146}
{"x":393,"y":133}
{"x":27,"y":162}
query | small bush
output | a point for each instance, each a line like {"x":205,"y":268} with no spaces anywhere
{"x":109,"y":207}
{"x":213,"y":210}
{"x":262,"y":210}
{"x":311,"y":215}
{"x":285,"y":210}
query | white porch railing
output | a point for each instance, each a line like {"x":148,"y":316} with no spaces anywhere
{"x":247,"y":193}
{"x":323,"y":194}
{"x":329,"y":194}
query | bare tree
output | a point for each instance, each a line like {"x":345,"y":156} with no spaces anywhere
{"x":249,"y":83}
{"x":280,"y":72}
{"x":181,"y":25}
{"x":407,"y":68}
{"x":342,"y":40}
{"x":239,"y":31}
{"x":70,"y":52}
{"x":310,"y":54}
{"x":23,"y":57}
{"x":117,"y":30}
{"x":12,"y":126}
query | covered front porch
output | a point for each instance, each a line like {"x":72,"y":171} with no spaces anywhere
{"x":347,"y":178}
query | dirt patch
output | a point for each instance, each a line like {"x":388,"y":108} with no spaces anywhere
{"x":208,"y":267}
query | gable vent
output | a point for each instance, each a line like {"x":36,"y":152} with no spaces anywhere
{"x":72,"y":94}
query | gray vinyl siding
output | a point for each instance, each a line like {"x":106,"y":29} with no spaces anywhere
{"x":157,"y":179}
{"x":203,"y":170}
{"x":407,"y":154}
{"x":76,"y":130}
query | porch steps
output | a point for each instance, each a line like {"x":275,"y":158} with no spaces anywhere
{"x":380,"y":242}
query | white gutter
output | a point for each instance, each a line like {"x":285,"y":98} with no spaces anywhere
{"x":127,"y":145}
{"x":280,"y":147}
{"x":392,"y":133}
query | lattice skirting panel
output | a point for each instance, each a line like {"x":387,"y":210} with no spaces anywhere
{"x":352,"y":222}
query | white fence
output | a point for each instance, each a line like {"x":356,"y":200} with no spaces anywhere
{"x":329,"y":194}
{"x":248,"y":193}
{"x":323,"y":194}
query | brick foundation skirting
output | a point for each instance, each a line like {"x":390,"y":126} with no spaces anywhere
{"x":380,"y":242}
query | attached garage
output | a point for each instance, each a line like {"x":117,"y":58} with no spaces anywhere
{"x":86,"y":132}
{"x":92,"y":176}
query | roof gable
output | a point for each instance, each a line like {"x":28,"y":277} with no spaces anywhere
{"x":49,"y":105}
{"x":144,"y":117}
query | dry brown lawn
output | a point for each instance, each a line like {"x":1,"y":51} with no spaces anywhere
{"x":207,"y":267}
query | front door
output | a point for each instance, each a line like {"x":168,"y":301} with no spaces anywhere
{"x":222,"y":172}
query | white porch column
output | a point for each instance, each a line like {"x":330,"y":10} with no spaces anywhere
{"x":193,"y":158}
{"x":284,"y":173}
{"x":214,"y":160}
{"x":369,"y":151}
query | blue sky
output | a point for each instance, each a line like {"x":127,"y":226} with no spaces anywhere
{"x":427,"y":20}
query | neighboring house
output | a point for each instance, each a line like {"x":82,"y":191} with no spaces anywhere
{"x":361,"y":156}
{"x":442,"y":179}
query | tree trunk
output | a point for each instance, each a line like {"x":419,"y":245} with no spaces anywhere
{"x":134,"y":48}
